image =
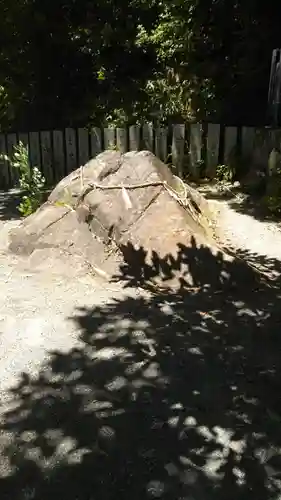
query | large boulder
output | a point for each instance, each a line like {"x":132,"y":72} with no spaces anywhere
{"x":145,"y":233}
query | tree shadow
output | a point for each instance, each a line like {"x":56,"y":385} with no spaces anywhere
{"x":268,"y":267}
{"x":254,"y":206}
{"x":239,"y":199}
{"x":174,"y":395}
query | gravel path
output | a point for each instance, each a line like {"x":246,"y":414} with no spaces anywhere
{"x":35,"y":304}
{"x":257,"y":242}
{"x":185,"y":404}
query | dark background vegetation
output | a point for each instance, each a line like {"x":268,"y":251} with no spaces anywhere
{"x":70,"y":63}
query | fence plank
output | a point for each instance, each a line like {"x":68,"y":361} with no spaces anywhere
{"x":147,"y":136}
{"x":109,"y":138}
{"x":71,"y":150}
{"x":134,"y":138}
{"x":23,"y":137}
{"x":11,"y":142}
{"x":263,"y":143}
{"x":96,"y":142}
{"x":121,"y":140}
{"x":46,"y":152}
{"x":59,"y":159}
{"x":178,"y":147}
{"x":230,"y":142}
{"x":34,"y":145}
{"x":161,"y":147}
{"x":213,"y":143}
{"x":248,"y":140}
{"x":4,"y":165}
{"x":195,"y":148}
{"x":83,"y":146}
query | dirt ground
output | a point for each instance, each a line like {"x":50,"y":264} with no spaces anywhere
{"x":245,"y":230}
{"x":108,"y":391}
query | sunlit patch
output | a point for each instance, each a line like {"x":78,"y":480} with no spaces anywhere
{"x":213,"y":465}
{"x":240,"y":476}
{"x":196,"y":351}
{"x":66,"y":445}
{"x":190,"y":421}
{"x":205,"y":432}
{"x":77,"y":456}
{"x":134,"y":368}
{"x":196,"y":393}
{"x":82,"y":389}
{"x":167,"y":309}
{"x":97,"y":406}
{"x":173,"y":421}
{"x":155,"y":489}
{"x":116,"y":384}
{"x":71,"y":377}
{"x":177,"y":406}
{"x":28,"y":436}
{"x":152,"y":371}
{"x":111,"y":352}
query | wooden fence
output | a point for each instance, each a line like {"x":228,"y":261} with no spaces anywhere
{"x":189,"y":148}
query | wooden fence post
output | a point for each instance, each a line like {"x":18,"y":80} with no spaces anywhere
{"x":121,"y":140}
{"x":195,"y":149}
{"x":46,"y":153}
{"x":147,"y":136}
{"x":11,"y":142}
{"x":34,"y":145}
{"x":230,"y":143}
{"x":161,"y":147}
{"x":213,"y":143}
{"x":59,"y":159}
{"x":83,"y":146}
{"x":96,"y":142}
{"x":247,"y":140}
{"x":134,"y":138}
{"x":4,"y":165}
{"x":71,"y":150}
{"x":178,"y":148}
{"x":109,"y":138}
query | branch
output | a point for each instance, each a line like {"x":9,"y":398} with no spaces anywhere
{"x":95,"y":185}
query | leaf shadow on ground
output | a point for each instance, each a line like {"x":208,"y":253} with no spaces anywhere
{"x":240,"y":200}
{"x":268,"y":267}
{"x":254,"y":206}
{"x":174,"y":395}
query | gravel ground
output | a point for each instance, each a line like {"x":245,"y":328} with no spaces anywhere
{"x":257,"y":242}
{"x":242,"y":231}
{"x":203,"y":377}
{"x":35,"y":302}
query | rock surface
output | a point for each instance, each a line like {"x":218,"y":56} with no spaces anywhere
{"x":104,"y":232}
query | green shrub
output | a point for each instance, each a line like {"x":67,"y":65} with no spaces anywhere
{"x":31,"y":180}
{"x":224,"y":173}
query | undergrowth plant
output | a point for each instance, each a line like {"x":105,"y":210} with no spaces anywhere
{"x":224,"y":173}
{"x":31,"y":180}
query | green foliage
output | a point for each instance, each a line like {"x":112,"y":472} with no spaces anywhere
{"x":169,"y":60}
{"x":31,"y":180}
{"x":224,"y":173}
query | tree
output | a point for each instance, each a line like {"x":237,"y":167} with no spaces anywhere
{"x":215,"y":57}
